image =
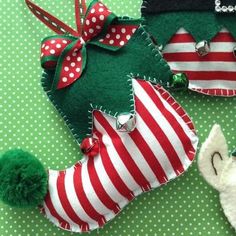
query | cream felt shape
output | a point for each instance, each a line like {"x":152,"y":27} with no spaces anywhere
{"x":219,"y":170}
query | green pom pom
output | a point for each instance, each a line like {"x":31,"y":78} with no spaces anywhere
{"x":23,"y":179}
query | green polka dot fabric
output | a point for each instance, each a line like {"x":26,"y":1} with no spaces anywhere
{"x":186,"y":206}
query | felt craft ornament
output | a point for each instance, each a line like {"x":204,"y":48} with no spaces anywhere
{"x":106,"y":81}
{"x":197,"y":38}
{"x":219,"y":170}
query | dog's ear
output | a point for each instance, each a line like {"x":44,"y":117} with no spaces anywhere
{"x":213,"y":156}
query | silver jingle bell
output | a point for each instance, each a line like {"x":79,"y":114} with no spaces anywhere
{"x":125,"y":122}
{"x":234,"y":51}
{"x":202,"y":48}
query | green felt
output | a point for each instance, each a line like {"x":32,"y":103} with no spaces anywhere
{"x":201,"y":25}
{"x":187,"y":206}
{"x":105,"y":82}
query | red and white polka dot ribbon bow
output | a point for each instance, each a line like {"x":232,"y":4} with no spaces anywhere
{"x":66,"y":53}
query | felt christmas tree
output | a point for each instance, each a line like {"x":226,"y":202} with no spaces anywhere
{"x":197,"y":38}
{"x":107,"y":80}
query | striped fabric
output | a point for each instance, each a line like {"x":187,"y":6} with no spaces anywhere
{"x":92,"y":192}
{"x":214,"y":74}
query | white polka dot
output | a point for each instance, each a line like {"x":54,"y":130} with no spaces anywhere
{"x":118,"y":36}
{"x":52,"y":51}
{"x":94,"y":19}
{"x":78,"y":58}
{"x":42,"y":54}
{"x":64,"y":79}
{"x":101,"y":9}
{"x":101,"y":17}
{"x":87,"y":22}
{"x":98,"y":27}
{"x":100,"y":5}
{"x":113,"y":30}
{"x":93,"y":10}
{"x":68,"y":58}
{"x":72,"y":64}
{"x":122,"y":43}
{"x":85,"y":33}
{"x":47,"y":47}
{"x":64,"y":41}
{"x":43,"y":45}
{"x":91,"y":31}
{"x":128,"y":37}
{"x":72,"y":75}
{"x":133,"y":30}
{"x":66,"y":68}
{"x":53,"y":41}
{"x":108,"y":36}
{"x":123,"y":30}
{"x":77,"y":69}
{"x":58,"y":45}
{"x":74,"y":54}
{"x":111,"y":41}
{"x":101,"y":40}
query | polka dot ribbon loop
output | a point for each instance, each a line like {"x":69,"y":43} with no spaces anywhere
{"x":66,"y":53}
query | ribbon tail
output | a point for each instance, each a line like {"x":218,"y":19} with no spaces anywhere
{"x":51,"y":48}
{"x":70,"y":65}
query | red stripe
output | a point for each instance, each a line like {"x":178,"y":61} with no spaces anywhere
{"x":111,"y":171}
{"x":210,"y":75}
{"x":66,"y":203}
{"x":223,"y":37}
{"x":85,"y":203}
{"x":186,"y":142}
{"x":161,"y":137}
{"x":48,"y":201}
{"x":182,"y":38}
{"x":124,"y":154}
{"x":99,"y":189}
{"x":148,"y":155}
{"x":193,"y":56}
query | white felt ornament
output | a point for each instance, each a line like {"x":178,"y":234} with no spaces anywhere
{"x":219,"y":170}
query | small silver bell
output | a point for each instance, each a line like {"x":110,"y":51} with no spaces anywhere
{"x":125,"y":122}
{"x":202,"y":48}
{"x":234,"y":51}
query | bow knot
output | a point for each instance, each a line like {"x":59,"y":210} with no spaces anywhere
{"x":67,"y":53}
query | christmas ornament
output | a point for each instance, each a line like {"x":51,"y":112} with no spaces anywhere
{"x":198,"y":39}
{"x":90,"y":147}
{"x":219,"y":170}
{"x":125,"y":122}
{"x":202,"y":48}
{"x":107,"y":81}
